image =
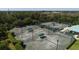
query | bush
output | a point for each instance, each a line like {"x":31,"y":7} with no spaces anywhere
{"x":3,"y":45}
{"x":3,"y":36}
{"x":18,"y":47}
{"x":22,"y":44}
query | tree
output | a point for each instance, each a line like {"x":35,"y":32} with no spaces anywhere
{"x":3,"y":45}
{"x":27,"y":21}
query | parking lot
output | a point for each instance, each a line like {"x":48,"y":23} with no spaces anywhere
{"x":44,"y":39}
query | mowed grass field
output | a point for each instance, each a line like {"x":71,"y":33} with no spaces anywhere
{"x":75,"y":46}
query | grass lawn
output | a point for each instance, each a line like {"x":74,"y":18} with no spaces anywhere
{"x":75,"y":46}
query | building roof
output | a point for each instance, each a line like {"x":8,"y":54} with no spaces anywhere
{"x":74,"y":28}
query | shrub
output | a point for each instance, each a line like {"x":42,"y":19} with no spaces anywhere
{"x":3,"y":45}
{"x":18,"y":47}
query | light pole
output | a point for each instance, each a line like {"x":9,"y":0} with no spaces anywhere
{"x":32,"y":34}
{"x":32,"y":31}
{"x":57,"y":45}
{"x":22,"y":32}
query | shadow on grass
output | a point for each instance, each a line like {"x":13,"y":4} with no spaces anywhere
{"x":71,"y":45}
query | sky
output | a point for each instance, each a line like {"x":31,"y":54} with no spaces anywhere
{"x":39,"y":9}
